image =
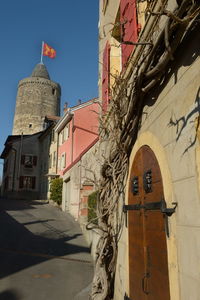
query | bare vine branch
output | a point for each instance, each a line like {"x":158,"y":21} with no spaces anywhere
{"x":119,"y":129}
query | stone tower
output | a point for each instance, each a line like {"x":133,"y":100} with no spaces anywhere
{"x":37,"y":97}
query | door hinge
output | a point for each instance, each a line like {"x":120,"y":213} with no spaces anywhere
{"x":126,"y":297}
{"x":161,"y":205}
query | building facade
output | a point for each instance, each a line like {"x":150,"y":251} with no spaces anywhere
{"x":21,"y":167}
{"x":48,"y":156}
{"x":77,"y":132}
{"x":150,"y":62}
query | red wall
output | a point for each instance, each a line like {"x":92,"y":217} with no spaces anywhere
{"x":66,"y":148}
{"x":85,"y":128}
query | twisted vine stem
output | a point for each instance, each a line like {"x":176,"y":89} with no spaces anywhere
{"x":119,"y":128}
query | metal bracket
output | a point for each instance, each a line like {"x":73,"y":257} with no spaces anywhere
{"x":131,"y":207}
{"x":162,"y":206}
{"x":126,"y":297}
{"x":147,"y":181}
{"x":168,"y":211}
{"x":135,"y":185}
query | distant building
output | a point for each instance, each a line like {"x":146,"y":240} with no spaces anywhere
{"x":48,"y":156}
{"x":21,"y":167}
{"x":37,"y":97}
{"x":77,"y":132}
{"x":26,"y":152}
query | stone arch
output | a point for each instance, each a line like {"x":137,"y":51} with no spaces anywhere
{"x":147,"y":138}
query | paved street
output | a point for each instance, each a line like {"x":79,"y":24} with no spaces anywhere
{"x":43,"y":254}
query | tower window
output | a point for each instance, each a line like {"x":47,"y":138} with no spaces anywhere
{"x":30,"y":125}
{"x":53,"y":91}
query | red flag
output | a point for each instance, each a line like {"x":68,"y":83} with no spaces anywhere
{"x":49,"y":51}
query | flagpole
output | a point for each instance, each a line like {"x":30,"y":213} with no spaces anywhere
{"x":42,"y":53}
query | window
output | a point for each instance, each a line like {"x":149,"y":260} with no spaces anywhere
{"x":53,"y":91}
{"x":59,"y":163}
{"x":5,"y":167}
{"x":63,"y":135}
{"x":66,"y":132}
{"x":28,"y":161}
{"x":27,"y":182}
{"x":6,"y":183}
{"x":50,"y":160}
{"x":63,"y":161}
{"x":129,"y":28}
{"x":60,"y":138}
{"x":54,"y":158}
{"x":30,"y":125}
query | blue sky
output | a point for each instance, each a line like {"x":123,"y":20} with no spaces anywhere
{"x":70,"y":27}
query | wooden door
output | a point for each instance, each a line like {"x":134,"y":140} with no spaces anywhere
{"x":148,"y":266}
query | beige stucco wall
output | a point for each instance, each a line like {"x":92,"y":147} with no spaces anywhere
{"x":52,"y":169}
{"x":73,"y":179}
{"x":71,"y":191}
{"x":169,"y":128}
{"x":85,"y":170}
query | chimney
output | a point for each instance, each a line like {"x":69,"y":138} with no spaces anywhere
{"x":65,"y":108}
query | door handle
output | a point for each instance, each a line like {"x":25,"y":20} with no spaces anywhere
{"x":145,"y":283}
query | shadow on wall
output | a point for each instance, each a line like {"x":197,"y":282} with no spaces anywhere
{"x":10,"y":295}
{"x":182,"y":57}
{"x":186,"y":54}
{"x":184,"y":121}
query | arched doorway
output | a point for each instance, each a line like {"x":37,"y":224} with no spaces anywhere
{"x":147,"y":227}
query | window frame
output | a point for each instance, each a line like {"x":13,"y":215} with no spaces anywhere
{"x":27,"y":182}
{"x":28,"y":160}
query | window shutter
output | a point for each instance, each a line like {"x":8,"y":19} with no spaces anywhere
{"x":34,"y":160}
{"x":129,"y":28}
{"x":64,"y":163}
{"x":68,"y":130}
{"x":33,"y":182}
{"x":21,"y":182}
{"x":22,"y":159}
{"x":106,"y":78}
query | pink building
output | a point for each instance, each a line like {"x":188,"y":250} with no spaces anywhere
{"x":77,"y":132}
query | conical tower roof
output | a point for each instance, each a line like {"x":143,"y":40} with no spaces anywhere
{"x":40,"y":71}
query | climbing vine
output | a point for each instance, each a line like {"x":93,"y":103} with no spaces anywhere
{"x":120,"y":126}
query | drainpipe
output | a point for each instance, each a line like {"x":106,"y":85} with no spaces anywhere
{"x":57,"y":135}
{"x":79,"y":196}
{"x":13,"y":177}
{"x":72,"y":146}
{"x":20,"y":153}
